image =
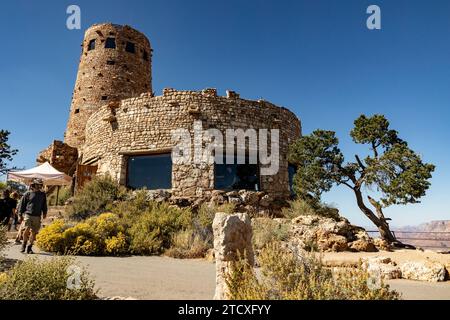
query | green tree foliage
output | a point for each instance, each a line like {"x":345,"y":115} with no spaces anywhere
{"x":6,"y":153}
{"x":396,"y":172}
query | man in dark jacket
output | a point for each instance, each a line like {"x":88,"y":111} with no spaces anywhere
{"x":32,"y":208}
{"x":7,"y":208}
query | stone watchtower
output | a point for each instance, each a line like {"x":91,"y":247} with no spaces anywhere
{"x":115,"y":64}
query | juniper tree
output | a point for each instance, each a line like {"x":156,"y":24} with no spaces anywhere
{"x":6,"y":153}
{"x":394,"y":172}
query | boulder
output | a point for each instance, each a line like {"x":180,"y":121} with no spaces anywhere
{"x":232,"y":241}
{"x":384,"y":266}
{"x":423,"y":271}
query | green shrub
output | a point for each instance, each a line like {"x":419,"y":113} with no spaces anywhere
{"x":285,"y":276}
{"x":36,"y":279}
{"x":64,"y":194}
{"x":152,"y":230}
{"x":96,"y":197}
{"x":266,"y":230}
{"x":187,"y":244}
{"x":307,"y":208}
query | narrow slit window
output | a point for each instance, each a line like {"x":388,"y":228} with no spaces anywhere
{"x":145,"y":55}
{"x":110,"y":62}
{"x":91,"y":45}
{"x":104,"y":97}
{"x":130,"y":47}
{"x":110,"y":43}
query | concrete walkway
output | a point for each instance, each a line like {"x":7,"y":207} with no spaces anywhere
{"x":156,"y":278}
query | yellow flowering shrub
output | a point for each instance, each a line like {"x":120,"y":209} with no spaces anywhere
{"x":96,"y":236}
{"x":116,"y":245}
{"x":51,"y":238}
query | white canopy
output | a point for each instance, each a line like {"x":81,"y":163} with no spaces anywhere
{"x":49,"y":175}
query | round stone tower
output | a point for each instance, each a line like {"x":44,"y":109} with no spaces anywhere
{"x":115,"y":64}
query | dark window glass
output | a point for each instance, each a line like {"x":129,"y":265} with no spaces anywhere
{"x":130,"y":47}
{"x":110,"y":43}
{"x":292,"y":170}
{"x":236,"y":176}
{"x":104,"y":97}
{"x":151,"y":172}
{"x":145,"y":55}
{"x":91,"y":45}
{"x":110,"y":62}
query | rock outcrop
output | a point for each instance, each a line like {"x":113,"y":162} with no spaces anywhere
{"x":232,"y":241}
{"x":327,"y":234}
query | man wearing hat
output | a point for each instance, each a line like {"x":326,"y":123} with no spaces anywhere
{"x":32,"y":208}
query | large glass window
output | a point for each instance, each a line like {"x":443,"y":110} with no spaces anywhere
{"x":233,"y":176}
{"x":150,"y":172}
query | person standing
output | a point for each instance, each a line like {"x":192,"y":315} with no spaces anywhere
{"x":7,"y":208}
{"x":12,"y":206}
{"x":32,"y":208}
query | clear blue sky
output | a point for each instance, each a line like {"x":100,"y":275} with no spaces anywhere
{"x":315,"y":57}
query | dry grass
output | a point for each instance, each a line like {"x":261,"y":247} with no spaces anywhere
{"x":284,"y":275}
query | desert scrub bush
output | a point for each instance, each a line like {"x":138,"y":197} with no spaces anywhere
{"x":99,"y":235}
{"x":35,"y":279}
{"x":266,"y":230}
{"x":50,"y":238}
{"x":285,"y":275}
{"x":116,"y":245}
{"x":310,"y":208}
{"x":3,"y":239}
{"x":151,"y":231}
{"x":187,"y":244}
{"x":64,"y":194}
{"x":96,"y":197}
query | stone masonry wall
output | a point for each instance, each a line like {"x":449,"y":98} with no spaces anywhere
{"x":60,"y":155}
{"x":107,"y":74}
{"x":143,"y":125}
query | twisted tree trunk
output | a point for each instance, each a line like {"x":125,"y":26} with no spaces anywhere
{"x":378,"y":220}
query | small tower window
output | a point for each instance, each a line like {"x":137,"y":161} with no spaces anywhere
{"x":130,"y":47}
{"x":91,"y":45}
{"x":110,"y":43}
{"x":104,"y":97}
{"x":145,"y":55}
{"x":77,"y":111}
{"x":110,"y":62}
